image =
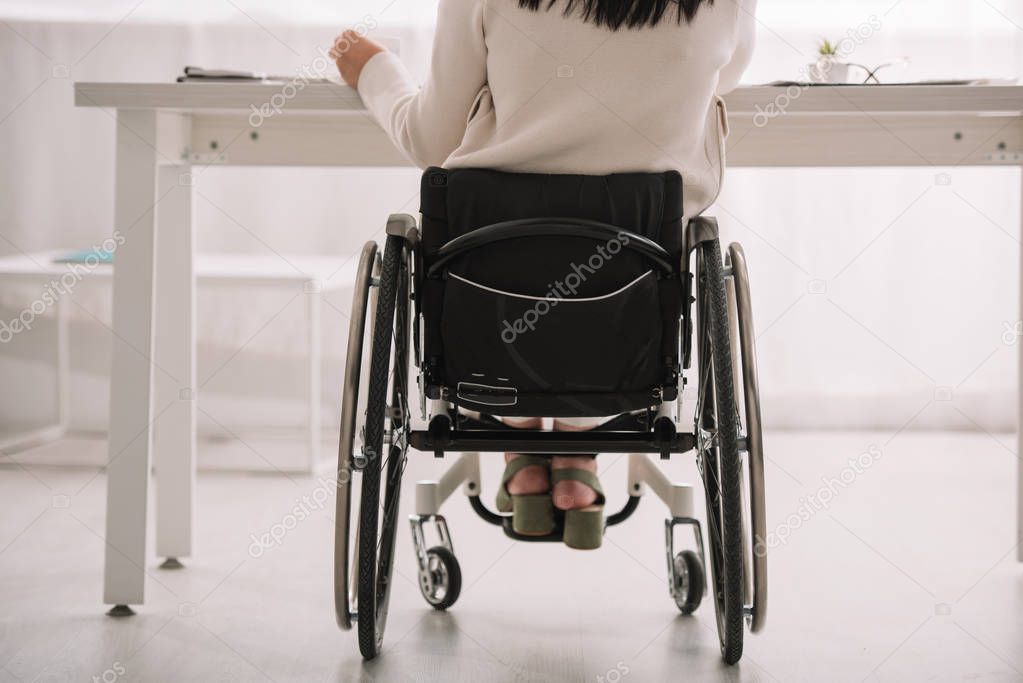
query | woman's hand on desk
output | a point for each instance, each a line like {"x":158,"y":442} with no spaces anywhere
{"x":351,"y":52}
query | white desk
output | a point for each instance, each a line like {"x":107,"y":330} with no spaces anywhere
{"x":165,"y":128}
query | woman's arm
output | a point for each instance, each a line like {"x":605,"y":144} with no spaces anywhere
{"x":426,"y":124}
{"x":745,"y":39}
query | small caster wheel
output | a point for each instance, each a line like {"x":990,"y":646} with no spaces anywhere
{"x":446,"y":576}
{"x":687,"y":581}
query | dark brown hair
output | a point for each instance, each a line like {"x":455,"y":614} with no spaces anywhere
{"x":617,"y":13}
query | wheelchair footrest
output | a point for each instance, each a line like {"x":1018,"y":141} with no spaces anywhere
{"x":505,"y":521}
{"x":500,"y":441}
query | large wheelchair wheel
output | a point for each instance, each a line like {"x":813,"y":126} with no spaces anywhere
{"x":353,"y":402}
{"x":385,"y":449}
{"x":747,"y":385}
{"x":378,"y":417}
{"x":718,"y":449}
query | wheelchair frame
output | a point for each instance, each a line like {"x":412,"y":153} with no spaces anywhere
{"x":638,"y":434}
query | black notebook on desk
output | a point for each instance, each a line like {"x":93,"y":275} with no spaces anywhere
{"x":196,"y":74}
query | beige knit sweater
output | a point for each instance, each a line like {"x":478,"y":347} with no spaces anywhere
{"x":516,"y":90}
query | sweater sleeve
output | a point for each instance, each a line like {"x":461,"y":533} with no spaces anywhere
{"x":745,"y":41}
{"x":428,"y":124}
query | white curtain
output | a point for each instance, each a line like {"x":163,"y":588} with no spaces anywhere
{"x":876,"y":290}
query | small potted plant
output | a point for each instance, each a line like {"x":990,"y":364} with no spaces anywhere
{"x":829,"y":68}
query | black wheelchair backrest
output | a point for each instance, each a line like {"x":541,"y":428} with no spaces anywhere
{"x":551,"y":294}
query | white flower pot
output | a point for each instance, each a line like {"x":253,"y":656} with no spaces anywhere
{"x":829,"y":71}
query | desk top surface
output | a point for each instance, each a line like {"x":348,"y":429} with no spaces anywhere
{"x":332,"y":272}
{"x":333,"y":98}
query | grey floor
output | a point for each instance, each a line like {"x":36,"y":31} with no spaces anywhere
{"x":900,"y":570}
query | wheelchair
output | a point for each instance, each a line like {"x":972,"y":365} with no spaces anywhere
{"x":556,"y":296}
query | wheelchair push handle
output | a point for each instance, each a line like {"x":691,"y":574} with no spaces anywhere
{"x":552,"y":227}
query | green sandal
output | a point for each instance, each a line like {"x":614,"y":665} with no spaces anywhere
{"x":531,"y":515}
{"x":584,"y":528}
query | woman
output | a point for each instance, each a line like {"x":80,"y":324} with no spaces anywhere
{"x":588,"y":87}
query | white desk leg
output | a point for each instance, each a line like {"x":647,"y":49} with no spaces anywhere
{"x":175,"y":385}
{"x":131,"y":371}
{"x":315,"y":369}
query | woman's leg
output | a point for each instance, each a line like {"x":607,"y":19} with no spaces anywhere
{"x":529,"y":481}
{"x":574,"y":495}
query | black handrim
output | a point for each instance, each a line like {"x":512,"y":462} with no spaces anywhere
{"x":717,"y":422}
{"x":388,"y":379}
